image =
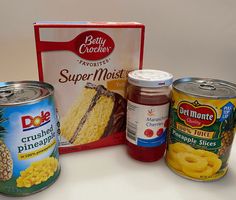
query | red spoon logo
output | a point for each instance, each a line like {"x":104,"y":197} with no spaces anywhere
{"x":89,"y":45}
{"x":94,"y":45}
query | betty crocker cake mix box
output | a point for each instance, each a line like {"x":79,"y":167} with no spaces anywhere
{"x":87,"y":63}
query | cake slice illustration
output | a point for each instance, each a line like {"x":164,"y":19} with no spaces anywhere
{"x":97,"y":113}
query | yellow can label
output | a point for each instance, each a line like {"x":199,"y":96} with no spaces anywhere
{"x":200,"y":136}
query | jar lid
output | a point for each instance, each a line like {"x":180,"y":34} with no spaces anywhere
{"x":150,"y":78}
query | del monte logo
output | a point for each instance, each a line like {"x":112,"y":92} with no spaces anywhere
{"x":94,"y":45}
{"x":196,"y":115}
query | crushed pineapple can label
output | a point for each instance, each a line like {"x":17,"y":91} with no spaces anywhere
{"x":28,"y":138}
{"x":202,"y":128}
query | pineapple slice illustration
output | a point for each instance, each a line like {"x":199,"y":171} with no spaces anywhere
{"x":6,"y":163}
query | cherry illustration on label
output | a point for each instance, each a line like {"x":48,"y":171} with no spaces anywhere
{"x":166,"y":123}
{"x":160,"y":131}
{"x":148,"y":132}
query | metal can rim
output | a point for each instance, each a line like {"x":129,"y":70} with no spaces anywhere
{"x":186,"y":79}
{"x":45,"y":85}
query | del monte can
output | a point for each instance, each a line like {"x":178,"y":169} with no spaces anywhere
{"x":202,"y":122}
{"x":28,"y":138}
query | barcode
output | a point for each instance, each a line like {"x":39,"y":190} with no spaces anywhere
{"x":131,"y":130}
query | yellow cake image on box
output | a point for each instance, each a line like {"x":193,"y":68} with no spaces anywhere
{"x":95,"y":114}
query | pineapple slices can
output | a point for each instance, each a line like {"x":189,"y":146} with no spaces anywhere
{"x":202,"y":128}
{"x":28,"y":138}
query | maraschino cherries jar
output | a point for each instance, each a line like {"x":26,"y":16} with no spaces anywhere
{"x":148,"y":95}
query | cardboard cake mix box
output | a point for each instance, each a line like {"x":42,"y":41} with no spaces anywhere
{"x":87,"y":63}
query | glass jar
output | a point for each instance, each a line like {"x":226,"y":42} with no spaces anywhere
{"x":148,"y":96}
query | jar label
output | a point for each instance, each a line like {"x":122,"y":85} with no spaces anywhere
{"x":147,"y":125}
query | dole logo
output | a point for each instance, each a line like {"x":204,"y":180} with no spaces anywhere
{"x":94,"y":45}
{"x":29,"y":122}
{"x":196,"y":115}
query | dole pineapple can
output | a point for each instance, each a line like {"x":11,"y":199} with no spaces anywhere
{"x":28,"y":138}
{"x":202,"y":128}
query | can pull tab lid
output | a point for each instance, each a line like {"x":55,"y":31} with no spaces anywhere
{"x":208,"y":85}
{"x":6,"y":93}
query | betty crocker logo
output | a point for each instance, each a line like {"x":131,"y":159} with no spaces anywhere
{"x":196,"y":115}
{"x":89,"y":45}
{"x":94,"y":45}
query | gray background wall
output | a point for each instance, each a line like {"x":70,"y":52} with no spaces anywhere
{"x":184,"y":37}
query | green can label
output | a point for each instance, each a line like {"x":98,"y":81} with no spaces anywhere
{"x":200,"y":135}
{"x":28,"y":147}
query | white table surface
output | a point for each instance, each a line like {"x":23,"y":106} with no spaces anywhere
{"x":110,"y":174}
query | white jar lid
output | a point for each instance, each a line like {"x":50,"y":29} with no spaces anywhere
{"x":150,"y":78}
